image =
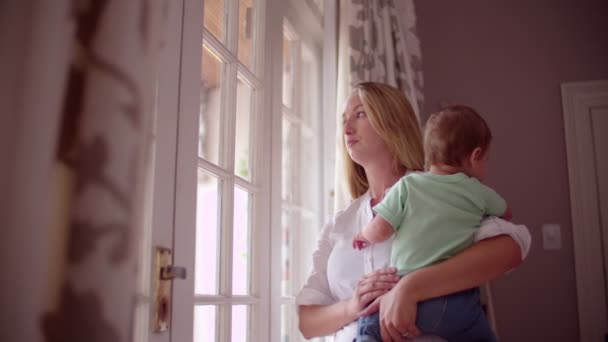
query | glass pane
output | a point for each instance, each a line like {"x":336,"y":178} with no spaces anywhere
{"x":240,"y":323}
{"x":246,"y":32}
{"x":240,"y":246}
{"x":207,"y":234}
{"x":308,"y":234}
{"x":204,"y":323}
{"x":242,"y":153}
{"x":210,"y":106}
{"x":215,"y":17}
{"x":286,"y":160}
{"x":288,"y":71}
{"x":287,"y":322}
{"x":320,"y":5}
{"x":309,"y":195}
{"x":285,"y":253}
{"x":310,"y":106}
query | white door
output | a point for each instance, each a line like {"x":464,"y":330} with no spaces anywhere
{"x":160,"y":177}
{"x":222,"y":226}
{"x":301,"y":202}
{"x":599,"y":120}
{"x":586,"y":127}
{"x":599,"y":127}
{"x":230,"y":107}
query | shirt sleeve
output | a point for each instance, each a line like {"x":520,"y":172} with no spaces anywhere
{"x":494,"y":226}
{"x":316,"y":290}
{"x":495,"y":204}
{"x":392,"y":207}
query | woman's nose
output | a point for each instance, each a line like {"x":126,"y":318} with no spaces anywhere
{"x":348,"y":126}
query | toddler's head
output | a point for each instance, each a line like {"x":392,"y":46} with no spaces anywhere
{"x":458,"y":137}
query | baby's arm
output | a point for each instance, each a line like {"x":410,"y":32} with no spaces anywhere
{"x":508,"y":214}
{"x":495,"y":204}
{"x":389,"y":212}
{"x":376,"y":231}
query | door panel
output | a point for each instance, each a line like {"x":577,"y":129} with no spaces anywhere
{"x":160,"y":189}
{"x":185,"y":206}
{"x":219,"y":101}
{"x":215,"y":168}
{"x":599,"y":127}
{"x":585,"y":107}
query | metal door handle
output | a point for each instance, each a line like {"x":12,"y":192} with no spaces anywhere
{"x":165,"y":273}
{"x":172,"y":272}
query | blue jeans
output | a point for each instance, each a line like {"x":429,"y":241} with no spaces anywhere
{"x":457,"y":317}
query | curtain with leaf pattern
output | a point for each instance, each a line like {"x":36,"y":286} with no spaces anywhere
{"x":80,"y":119}
{"x":377,"y":41}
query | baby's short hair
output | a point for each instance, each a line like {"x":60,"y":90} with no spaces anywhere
{"x":451,"y":134}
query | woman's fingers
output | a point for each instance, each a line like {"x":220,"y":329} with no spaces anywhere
{"x":389,"y":332}
{"x":372,"y":286}
{"x":413,"y":330}
{"x":371,"y":296}
{"x":382,"y":271}
{"x":370,"y":309}
{"x":386,"y":280}
{"x":390,"y":278}
{"x":397,"y":316}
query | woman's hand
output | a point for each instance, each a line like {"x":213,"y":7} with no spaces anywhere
{"x":397,"y":314}
{"x":370,"y":287}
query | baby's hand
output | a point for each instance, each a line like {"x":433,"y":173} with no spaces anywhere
{"x":359,"y":242}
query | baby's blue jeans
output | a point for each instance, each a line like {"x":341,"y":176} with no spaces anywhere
{"x":457,"y":317}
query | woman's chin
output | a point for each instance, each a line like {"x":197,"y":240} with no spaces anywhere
{"x":359,"y":158}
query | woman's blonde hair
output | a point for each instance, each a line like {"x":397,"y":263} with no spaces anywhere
{"x":392,"y":117}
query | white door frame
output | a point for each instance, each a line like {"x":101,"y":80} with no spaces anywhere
{"x":577,"y":101}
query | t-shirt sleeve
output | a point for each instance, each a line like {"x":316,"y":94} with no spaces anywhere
{"x":495,"y":204}
{"x":392,"y":207}
{"x":316,"y":290}
{"x":494,"y":226}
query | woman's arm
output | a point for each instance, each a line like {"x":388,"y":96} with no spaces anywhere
{"x":322,"y":320}
{"x":476,"y":265}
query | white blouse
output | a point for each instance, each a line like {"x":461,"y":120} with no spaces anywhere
{"x":337,"y":267}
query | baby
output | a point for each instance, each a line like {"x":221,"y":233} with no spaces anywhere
{"x":434,"y":216}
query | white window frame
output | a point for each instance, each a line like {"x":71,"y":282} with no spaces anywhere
{"x":307,"y":26}
{"x":188,"y":163}
{"x":265,"y":213}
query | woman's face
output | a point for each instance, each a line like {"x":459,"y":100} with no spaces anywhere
{"x":363,"y":144}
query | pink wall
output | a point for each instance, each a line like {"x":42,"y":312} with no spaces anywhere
{"x":507,"y":59}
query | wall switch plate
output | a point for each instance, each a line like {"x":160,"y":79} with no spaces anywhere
{"x":552,"y":236}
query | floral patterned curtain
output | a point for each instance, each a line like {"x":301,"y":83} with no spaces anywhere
{"x":102,"y":152}
{"x":377,"y":41}
{"x":378,"y":47}
{"x":86,"y":79}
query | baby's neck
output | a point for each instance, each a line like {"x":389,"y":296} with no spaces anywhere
{"x":442,"y":169}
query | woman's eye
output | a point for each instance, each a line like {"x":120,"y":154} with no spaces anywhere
{"x":359,"y":114}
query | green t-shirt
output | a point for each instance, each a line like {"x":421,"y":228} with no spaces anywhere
{"x":435,"y":216}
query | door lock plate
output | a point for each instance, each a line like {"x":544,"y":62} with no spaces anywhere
{"x":162,"y":304}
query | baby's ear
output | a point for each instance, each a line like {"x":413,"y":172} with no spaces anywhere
{"x":477,"y":154}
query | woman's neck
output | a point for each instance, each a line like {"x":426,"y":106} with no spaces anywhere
{"x":380,"y":179}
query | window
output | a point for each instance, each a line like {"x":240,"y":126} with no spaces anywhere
{"x":301,"y":172}
{"x":249,"y":152}
{"x":228,"y":194}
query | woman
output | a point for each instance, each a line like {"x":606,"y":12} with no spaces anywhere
{"x":382,"y":142}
